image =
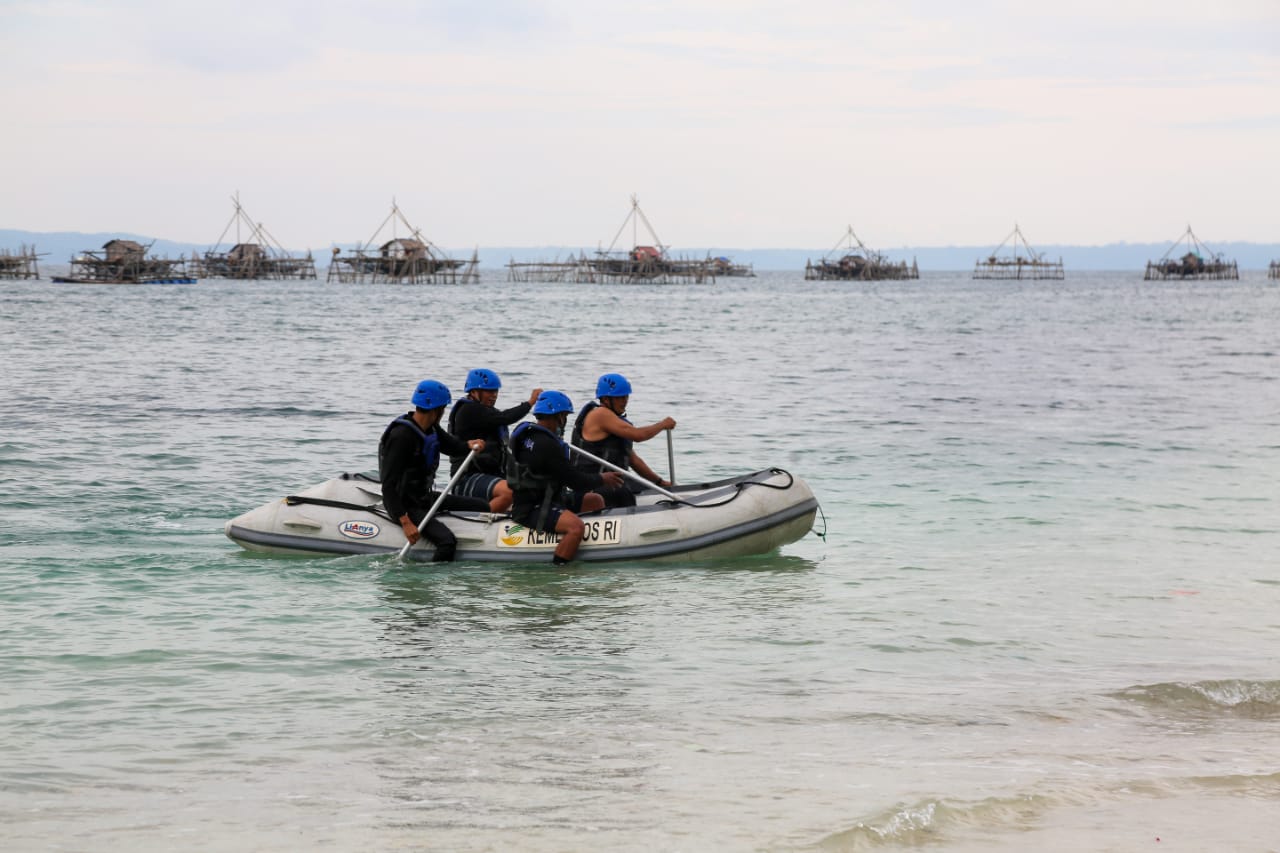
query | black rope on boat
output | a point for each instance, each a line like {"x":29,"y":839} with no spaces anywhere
{"x":814,"y":529}
{"x":738,"y":489}
{"x":373,"y":509}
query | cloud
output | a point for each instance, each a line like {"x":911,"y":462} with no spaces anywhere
{"x":747,"y":122}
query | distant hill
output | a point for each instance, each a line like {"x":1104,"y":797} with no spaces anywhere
{"x":58,"y":248}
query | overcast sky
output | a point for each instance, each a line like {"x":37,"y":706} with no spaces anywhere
{"x":737,"y":123}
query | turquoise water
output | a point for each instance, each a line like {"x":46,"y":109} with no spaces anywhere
{"x":1043,"y":616}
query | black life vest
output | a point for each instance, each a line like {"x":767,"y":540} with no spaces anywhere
{"x":520,"y":477}
{"x":418,"y":479}
{"x":611,"y":448}
{"x":491,"y":460}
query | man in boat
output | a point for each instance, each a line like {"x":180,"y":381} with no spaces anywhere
{"x":602,"y":429}
{"x":477,"y":416}
{"x":548,"y":491}
{"x":408,"y":456}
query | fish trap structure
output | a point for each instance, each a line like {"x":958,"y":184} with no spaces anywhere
{"x":1020,"y":263}
{"x":125,"y":262}
{"x":19,"y":265}
{"x":649,"y":263}
{"x":851,"y":260}
{"x":571,"y":270}
{"x":725,"y":268}
{"x":401,"y":260}
{"x":259,"y":257}
{"x":1188,"y":258}
{"x":1273,"y":271}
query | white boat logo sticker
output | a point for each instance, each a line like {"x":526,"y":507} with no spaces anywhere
{"x":599,"y":531}
{"x":358,"y":529}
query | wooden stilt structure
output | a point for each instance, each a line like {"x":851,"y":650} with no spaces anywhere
{"x":1273,"y":271}
{"x":851,"y":260}
{"x":649,"y":263}
{"x":125,"y":262}
{"x":19,"y":265}
{"x":1021,"y":263}
{"x":259,"y":257}
{"x":572,"y":270}
{"x":401,"y":260}
{"x":726,"y":268}
{"x":1197,"y":261}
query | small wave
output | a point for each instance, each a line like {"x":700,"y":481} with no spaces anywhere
{"x":926,"y":822}
{"x":1234,"y":697}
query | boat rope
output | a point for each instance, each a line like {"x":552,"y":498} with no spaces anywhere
{"x":485,"y":518}
{"x":738,"y":489}
{"x":372,"y":509}
{"x":814,"y":529}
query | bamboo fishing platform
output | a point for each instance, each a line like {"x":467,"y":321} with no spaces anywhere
{"x":19,"y":265}
{"x":257,"y":258}
{"x":401,"y":260}
{"x":1021,"y":262}
{"x":649,"y":263}
{"x":726,"y":268}
{"x":851,"y":260}
{"x":125,"y":262}
{"x":1273,"y":271}
{"x":1198,"y":261}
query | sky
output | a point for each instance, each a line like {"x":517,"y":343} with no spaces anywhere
{"x":736,"y":123}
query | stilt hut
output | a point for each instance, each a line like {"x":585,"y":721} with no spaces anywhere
{"x":1020,"y":263}
{"x":647,"y":263}
{"x":125,"y":262}
{"x":1188,"y":258}
{"x":20,"y":264}
{"x":401,"y":260}
{"x":650,"y":263}
{"x":851,"y":260}
{"x":725,"y":268}
{"x":256,"y":255}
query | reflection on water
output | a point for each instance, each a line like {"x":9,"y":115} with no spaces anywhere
{"x":544,"y":600}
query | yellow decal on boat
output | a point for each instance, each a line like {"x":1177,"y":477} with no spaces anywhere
{"x":514,"y":535}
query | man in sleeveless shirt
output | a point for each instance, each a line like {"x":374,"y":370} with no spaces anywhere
{"x":602,"y":429}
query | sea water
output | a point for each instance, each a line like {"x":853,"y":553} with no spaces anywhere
{"x":1045,"y":614}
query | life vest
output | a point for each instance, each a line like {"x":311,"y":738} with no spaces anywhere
{"x":419,"y":477}
{"x":612,"y":448}
{"x":520,"y":477}
{"x":491,"y":460}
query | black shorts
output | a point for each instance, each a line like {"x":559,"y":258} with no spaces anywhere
{"x":527,"y":514}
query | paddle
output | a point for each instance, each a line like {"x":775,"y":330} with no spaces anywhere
{"x":436,"y":506}
{"x":624,"y":472}
{"x":671,"y":459}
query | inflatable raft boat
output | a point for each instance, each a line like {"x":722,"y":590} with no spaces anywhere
{"x":751,"y":514}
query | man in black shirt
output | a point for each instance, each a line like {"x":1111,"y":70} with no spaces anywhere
{"x":477,"y":416}
{"x":408,"y":456}
{"x":539,"y":472}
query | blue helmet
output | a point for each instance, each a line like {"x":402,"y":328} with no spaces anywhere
{"x":552,"y":403}
{"x":613,"y":385}
{"x":431,"y":394}
{"x":484,"y":380}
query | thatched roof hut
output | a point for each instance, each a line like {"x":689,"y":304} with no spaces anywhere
{"x":123,"y":250}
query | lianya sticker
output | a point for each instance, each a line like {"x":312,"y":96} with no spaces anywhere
{"x":599,"y":531}
{"x":358,"y":529}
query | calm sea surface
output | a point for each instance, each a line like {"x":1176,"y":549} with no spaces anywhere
{"x":1046,"y":613}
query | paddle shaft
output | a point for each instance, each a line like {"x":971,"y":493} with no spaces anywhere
{"x":671,"y":459}
{"x":624,"y":472}
{"x":436,"y":506}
